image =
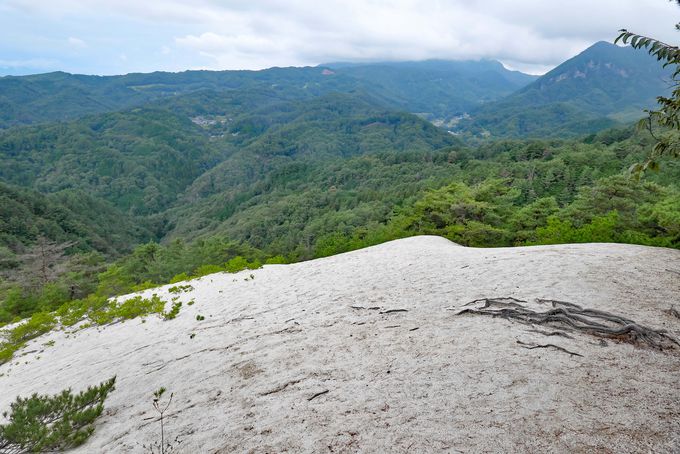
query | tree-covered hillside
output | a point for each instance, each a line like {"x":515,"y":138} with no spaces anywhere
{"x":141,"y":160}
{"x":138,"y":160}
{"x":602,"y":86}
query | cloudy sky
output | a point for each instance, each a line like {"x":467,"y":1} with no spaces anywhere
{"x":122,"y":36}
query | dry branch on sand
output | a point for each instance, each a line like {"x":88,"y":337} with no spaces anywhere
{"x":673,"y":311}
{"x":574,"y":318}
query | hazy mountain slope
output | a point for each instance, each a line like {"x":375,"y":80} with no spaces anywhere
{"x":591,"y":91}
{"x":435,"y":88}
{"x":60,"y":96}
{"x":309,"y":358}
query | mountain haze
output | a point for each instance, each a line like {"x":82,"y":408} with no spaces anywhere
{"x":438,"y":89}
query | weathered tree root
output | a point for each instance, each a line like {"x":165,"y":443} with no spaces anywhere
{"x":572,"y":317}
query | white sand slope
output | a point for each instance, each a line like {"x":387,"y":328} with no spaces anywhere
{"x":425,"y":380}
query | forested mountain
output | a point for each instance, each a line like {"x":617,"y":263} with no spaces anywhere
{"x":437,"y":88}
{"x":599,"y":88}
{"x":602,"y":86}
{"x":142,"y":159}
{"x":61,"y":96}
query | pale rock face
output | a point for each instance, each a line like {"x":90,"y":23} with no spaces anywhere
{"x":424,"y":380}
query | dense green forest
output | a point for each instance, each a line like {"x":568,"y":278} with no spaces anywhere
{"x":503,"y":193}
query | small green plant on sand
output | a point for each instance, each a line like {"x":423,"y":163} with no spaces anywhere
{"x":172,"y":313}
{"x":161,"y":447}
{"x":44,"y":423}
{"x":180,"y":288}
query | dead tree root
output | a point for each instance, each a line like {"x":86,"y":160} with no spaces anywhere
{"x":574,"y":318}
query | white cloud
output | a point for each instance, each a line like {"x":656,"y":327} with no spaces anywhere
{"x":76,"y":42}
{"x":228,"y":34}
{"x":34,"y":63}
{"x":528,"y":34}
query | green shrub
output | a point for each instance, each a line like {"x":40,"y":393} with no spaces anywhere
{"x":204,"y":270}
{"x":276,"y":260}
{"x":172,"y":313}
{"x":131,"y":308}
{"x":75,"y":311}
{"x":146,"y":285}
{"x":180,"y":288}
{"x":16,"y":338}
{"x":179,"y":278}
{"x":43,"y":423}
{"x":236,"y":264}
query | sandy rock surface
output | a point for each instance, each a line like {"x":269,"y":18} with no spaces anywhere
{"x":419,"y":380}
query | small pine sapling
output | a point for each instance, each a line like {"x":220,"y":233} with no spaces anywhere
{"x":162,"y":447}
{"x":43,"y":423}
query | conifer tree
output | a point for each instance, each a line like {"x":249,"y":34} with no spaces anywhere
{"x":43,"y":423}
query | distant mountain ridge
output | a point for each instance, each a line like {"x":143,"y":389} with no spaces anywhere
{"x":433,"y":88}
{"x":602,"y":86}
{"x":437,"y":89}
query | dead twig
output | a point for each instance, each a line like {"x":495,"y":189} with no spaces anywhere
{"x":281,"y":387}
{"x":320,"y":393}
{"x":673,"y":311}
{"x":391,"y":311}
{"x":550,"y":333}
{"x":556,"y":347}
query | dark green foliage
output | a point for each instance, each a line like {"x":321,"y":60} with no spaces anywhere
{"x":667,"y":118}
{"x":94,"y":224}
{"x":43,"y":423}
{"x":173,"y":312}
{"x":615,"y":209}
{"x":138,"y":160}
